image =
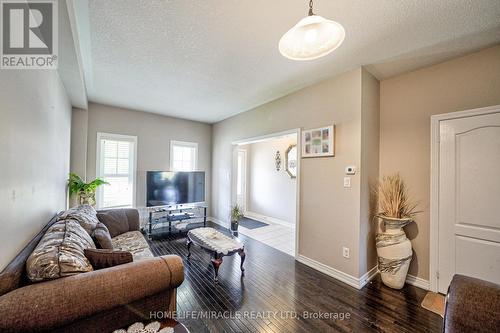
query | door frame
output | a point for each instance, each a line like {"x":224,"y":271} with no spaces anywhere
{"x":298,"y":132}
{"x":245,"y":188}
{"x":434,"y":195}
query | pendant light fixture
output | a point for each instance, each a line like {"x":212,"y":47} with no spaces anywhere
{"x":312,"y":38}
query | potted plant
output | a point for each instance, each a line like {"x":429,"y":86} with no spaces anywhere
{"x":394,"y":250}
{"x":236,"y":214}
{"x":85,"y":191}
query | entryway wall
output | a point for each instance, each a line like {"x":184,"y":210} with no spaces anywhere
{"x":330,"y":215}
{"x":271,"y":193}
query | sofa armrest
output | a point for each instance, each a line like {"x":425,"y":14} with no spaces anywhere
{"x":472,"y":305}
{"x":50,"y":304}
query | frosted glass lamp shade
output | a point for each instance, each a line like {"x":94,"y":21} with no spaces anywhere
{"x":313,"y":37}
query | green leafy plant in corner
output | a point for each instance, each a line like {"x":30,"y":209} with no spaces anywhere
{"x":85,"y":191}
{"x":236,"y":213}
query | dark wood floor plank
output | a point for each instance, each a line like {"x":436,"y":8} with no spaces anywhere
{"x":275,"y":282}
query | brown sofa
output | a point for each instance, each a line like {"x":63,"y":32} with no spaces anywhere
{"x":97,"y":301}
{"x":472,"y":305}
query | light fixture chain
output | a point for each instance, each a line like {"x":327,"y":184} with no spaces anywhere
{"x":311,"y":7}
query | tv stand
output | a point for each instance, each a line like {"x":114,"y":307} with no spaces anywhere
{"x":177,"y":216}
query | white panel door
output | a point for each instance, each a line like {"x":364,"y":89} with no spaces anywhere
{"x":469,"y":198}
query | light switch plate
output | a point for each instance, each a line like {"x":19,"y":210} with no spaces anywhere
{"x":347,"y":182}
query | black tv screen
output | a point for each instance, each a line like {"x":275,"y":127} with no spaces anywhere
{"x":166,"y":188}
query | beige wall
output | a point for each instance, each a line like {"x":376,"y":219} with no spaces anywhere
{"x":35,"y":122}
{"x":79,"y":128}
{"x":154,"y":133}
{"x":271,"y":193}
{"x":329,"y":213}
{"x":370,"y":137}
{"x":406,"y":104}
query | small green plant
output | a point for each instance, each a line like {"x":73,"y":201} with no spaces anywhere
{"x":85,"y":191}
{"x":236,"y":213}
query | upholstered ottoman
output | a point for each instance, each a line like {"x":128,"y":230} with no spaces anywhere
{"x":217,"y":244}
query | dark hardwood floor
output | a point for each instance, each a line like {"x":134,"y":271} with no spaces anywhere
{"x":277,"y":293}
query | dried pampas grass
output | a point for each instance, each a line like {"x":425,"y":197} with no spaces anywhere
{"x":393,"y":199}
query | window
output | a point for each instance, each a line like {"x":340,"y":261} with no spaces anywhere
{"x":116,"y":164}
{"x":183,"y":156}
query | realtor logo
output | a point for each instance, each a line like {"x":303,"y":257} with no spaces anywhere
{"x":29,"y":34}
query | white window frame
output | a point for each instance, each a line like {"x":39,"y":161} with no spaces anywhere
{"x":100,"y":164}
{"x":184,"y":144}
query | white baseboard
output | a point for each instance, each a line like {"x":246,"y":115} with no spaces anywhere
{"x":268,"y":219}
{"x":368,"y":276}
{"x":219,"y":222}
{"x":418,"y":282}
{"x":355,"y":282}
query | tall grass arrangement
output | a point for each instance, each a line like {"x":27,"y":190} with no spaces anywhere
{"x":393,"y":198}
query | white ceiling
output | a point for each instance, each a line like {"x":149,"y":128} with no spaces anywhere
{"x":207,"y":60}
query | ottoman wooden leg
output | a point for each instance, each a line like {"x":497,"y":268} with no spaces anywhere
{"x":188,"y":243}
{"x":242,"y":257}
{"x":216,"y":262}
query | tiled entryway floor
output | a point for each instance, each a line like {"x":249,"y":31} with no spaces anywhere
{"x":275,"y":235}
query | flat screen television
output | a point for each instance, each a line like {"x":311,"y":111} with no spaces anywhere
{"x":167,"y":188}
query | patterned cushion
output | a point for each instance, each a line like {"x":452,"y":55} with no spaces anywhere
{"x":60,"y":252}
{"x":133,"y":242}
{"x":85,"y":215}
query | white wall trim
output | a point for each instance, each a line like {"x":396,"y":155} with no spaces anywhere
{"x":297,"y":191}
{"x":268,"y":219}
{"x":265,"y":137}
{"x":434,"y":195}
{"x":418,"y":282}
{"x":75,"y":33}
{"x":296,"y":131}
{"x":219,"y":222}
{"x":355,"y":282}
{"x":368,"y":276}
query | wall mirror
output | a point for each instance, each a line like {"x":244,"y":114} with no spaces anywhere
{"x":291,"y":161}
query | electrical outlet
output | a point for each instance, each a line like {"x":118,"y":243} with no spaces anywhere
{"x":345,"y":252}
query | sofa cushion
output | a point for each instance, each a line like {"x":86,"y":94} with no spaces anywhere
{"x":115,"y":220}
{"x":84,"y":214}
{"x":102,"y":237}
{"x":103,"y":258}
{"x":60,"y":252}
{"x":133,"y":242}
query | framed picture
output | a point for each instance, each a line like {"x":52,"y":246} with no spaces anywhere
{"x":318,"y":142}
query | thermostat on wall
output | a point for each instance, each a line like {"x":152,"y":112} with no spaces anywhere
{"x":350,"y":170}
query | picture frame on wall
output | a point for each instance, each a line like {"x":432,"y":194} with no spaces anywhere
{"x":318,"y":142}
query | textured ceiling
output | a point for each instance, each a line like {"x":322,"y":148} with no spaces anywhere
{"x":210,"y":59}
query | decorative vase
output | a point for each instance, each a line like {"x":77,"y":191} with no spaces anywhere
{"x":234,"y":226}
{"x":87,"y":198}
{"x":394,"y":252}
